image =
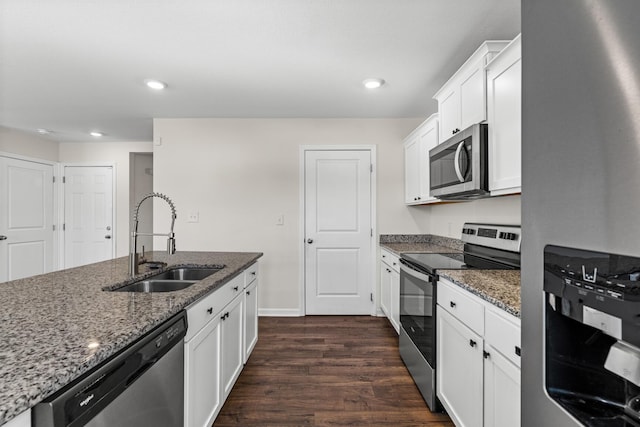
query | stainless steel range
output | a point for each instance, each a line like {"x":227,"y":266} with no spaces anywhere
{"x":486,"y":246}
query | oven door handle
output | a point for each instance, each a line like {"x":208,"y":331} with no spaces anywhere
{"x":408,"y":269}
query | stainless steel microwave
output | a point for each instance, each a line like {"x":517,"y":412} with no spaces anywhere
{"x":458,"y":167}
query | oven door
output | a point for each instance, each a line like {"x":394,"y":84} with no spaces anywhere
{"x":417,"y":312}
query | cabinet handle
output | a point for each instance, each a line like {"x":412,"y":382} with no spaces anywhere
{"x":518,"y":351}
{"x":485,"y":354}
{"x":472,"y":343}
{"x":226,"y":315}
{"x":248,"y":292}
{"x":210,"y":310}
{"x":452,"y":304}
{"x":235,"y":288}
{"x":222,"y":317}
{"x":383,"y":256}
{"x":253,"y":273}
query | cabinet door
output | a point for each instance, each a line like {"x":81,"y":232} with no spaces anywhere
{"x":385,"y":289}
{"x":505,"y":121}
{"x":395,"y":299}
{"x":202,"y":376}
{"x":501,"y":391}
{"x":428,"y":136}
{"x":473,"y":104}
{"x":232,"y":328}
{"x":251,"y":319}
{"x":449,"y":113}
{"x":459,"y":365}
{"x":412,"y":170}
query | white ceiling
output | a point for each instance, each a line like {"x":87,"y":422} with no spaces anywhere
{"x":72,"y":66}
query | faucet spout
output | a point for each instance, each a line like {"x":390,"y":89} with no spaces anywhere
{"x":133,"y":246}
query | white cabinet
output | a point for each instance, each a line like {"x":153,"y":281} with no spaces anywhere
{"x":390,"y":287}
{"x":462,"y":100}
{"x":416,"y":161}
{"x":504,"y":106}
{"x":21,"y":420}
{"x":231,"y":331}
{"x":478,"y":359}
{"x":251,"y":318}
{"x":202,"y":375}
{"x":223,"y":329}
{"x":460,"y":370}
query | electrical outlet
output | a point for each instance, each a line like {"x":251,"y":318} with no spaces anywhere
{"x":280,"y":220}
{"x":193,"y":217}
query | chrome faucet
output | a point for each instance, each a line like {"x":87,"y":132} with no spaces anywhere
{"x":133,"y":247}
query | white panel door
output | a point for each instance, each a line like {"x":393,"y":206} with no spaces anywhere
{"x":88,"y":215}
{"x":26,"y":218}
{"x":338,"y":232}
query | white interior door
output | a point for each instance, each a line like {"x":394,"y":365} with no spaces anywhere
{"x":26,"y":218}
{"x":88,"y":215}
{"x":338,"y":232}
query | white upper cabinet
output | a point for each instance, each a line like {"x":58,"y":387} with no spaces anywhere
{"x":504,"y":105}
{"x":462,"y":101}
{"x":416,"y":161}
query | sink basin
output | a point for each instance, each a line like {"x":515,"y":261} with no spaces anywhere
{"x":171,"y":280}
{"x":185,"y":274}
{"x":156,"y":286}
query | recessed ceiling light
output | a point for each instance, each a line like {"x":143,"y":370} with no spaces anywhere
{"x":373,"y":83}
{"x":156,"y":84}
{"x":96,"y":134}
{"x":43,"y":131}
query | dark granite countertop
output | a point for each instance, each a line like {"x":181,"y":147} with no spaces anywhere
{"x":499,"y":287}
{"x":57,"y":326}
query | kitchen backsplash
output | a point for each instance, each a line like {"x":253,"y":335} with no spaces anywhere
{"x":449,"y":242}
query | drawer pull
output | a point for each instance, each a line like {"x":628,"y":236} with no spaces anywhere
{"x":235,"y":288}
{"x":452,"y":304}
{"x":248,"y":292}
{"x":210,"y":310}
{"x":472,"y":343}
{"x":485,"y":354}
{"x":224,"y":316}
{"x":253,"y":273}
{"x":518,"y":350}
{"x":384,"y":256}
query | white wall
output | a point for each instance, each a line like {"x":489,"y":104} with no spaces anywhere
{"x":22,"y":143}
{"x":241,"y":174}
{"x":110,"y":152}
{"x":448,"y":219}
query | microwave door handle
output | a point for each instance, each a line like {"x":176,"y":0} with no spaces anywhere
{"x":456,"y":162}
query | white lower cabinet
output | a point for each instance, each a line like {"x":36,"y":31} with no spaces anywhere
{"x":232,"y":344}
{"x":202,"y":375}
{"x":251,"y":319}
{"x":21,"y":420}
{"x":390,"y":287}
{"x":459,"y":363}
{"x":216,"y":346}
{"x":501,"y":390}
{"x":477,"y":359}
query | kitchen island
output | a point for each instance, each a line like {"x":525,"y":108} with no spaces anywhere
{"x":57,"y":326}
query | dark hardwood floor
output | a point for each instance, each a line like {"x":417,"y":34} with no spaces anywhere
{"x":326,"y":371}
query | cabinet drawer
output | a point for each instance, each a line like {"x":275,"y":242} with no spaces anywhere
{"x":250,"y":274}
{"x":462,"y":305}
{"x":200,"y":312}
{"x":502,"y":332}
{"x":391,"y":259}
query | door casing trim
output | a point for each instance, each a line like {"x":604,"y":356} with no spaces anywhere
{"x":301,"y":232}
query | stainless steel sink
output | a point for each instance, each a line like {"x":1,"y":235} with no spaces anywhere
{"x":156,"y":286}
{"x":170,"y":280}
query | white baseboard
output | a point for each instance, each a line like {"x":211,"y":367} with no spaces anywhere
{"x":279,"y":312}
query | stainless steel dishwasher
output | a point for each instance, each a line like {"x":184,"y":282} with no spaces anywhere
{"x":143,"y":385}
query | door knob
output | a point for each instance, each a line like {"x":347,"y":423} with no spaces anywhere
{"x":309,"y":241}
{"x":108,"y":236}
{"x":3,"y":237}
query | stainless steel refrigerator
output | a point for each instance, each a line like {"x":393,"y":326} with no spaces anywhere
{"x":580,"y":157}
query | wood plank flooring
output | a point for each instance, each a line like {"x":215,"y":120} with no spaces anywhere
{"x":326,"y":371}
